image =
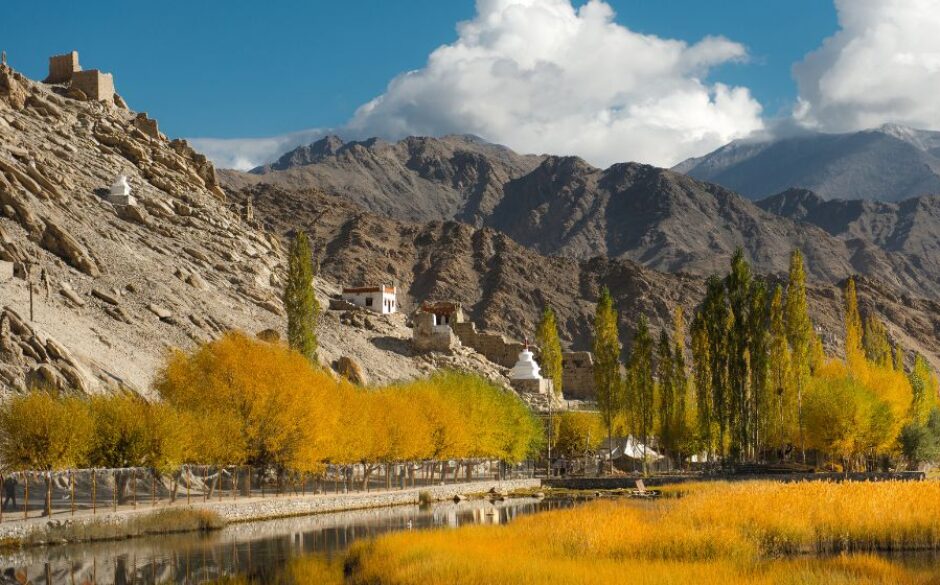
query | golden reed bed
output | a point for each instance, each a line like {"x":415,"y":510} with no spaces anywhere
{"x":727,"y":533}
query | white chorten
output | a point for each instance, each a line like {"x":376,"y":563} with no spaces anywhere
{"x":120,"y":193}
{"x":526,"y":368}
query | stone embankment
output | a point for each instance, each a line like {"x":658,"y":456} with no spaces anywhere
{"x":259,"y":508}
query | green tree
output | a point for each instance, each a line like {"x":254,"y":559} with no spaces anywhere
{"x":801,"y":337}
{"x":667,"y":392}
{"x":923,"y":389}
{"x":758,"y":352}
{"x":607,"y":380}
{"x":300,"y":300}
{"x":702,"y":375}
{"x":779,"y":374}
{"x":680,"y":374}
{"x":875,"y":341}
{"x":854,"y":352}
{"x":642,"y":389}
{"x":717,"y":321}
{"x":546,"y":337}
{"x":738,"y":285}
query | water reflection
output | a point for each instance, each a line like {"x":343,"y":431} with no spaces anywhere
{"x":255,"y":549}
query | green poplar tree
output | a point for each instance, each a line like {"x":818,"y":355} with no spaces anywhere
{"x":680,"y":377}
{"x":758,"y":350}
{"x":717,"y":320}
{"x":607,"y":381}
{"x":702,"y":375}
{"x":665,"y":375}
{"x":800,"y":336}
{"x":738,"y":285}
{"x":300,"y":300}
{"x":779,"y":373}
{"x":642,"y":386}
{"x":546,"y":337}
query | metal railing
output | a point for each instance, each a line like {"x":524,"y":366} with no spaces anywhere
{"x":94,"y":491}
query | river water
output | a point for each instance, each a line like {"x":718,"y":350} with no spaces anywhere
{"x":255,"y":549}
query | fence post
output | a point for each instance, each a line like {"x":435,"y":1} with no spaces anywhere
{"x":114,"y":490}
{"x":134,"y":486}
{"x":189,"y":476}
{"x":205,"y":483}
{"x":153,"y":487}
{"x":72,"y":491}
{"x":234,"y":483}
{"x":93,"y":492}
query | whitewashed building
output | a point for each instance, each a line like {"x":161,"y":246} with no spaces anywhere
{"x":120,"y":192}
{"x":380,"y":299}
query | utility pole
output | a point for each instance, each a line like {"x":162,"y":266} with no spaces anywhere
{"x":29,"y":283}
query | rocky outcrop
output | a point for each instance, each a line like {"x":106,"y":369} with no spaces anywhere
{"x":58,"y":241}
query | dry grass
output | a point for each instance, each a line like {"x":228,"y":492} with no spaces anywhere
{"x":161,"y":522}
{"x":717,"y":533}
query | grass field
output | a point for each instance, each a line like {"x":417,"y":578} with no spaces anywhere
{"x":748,"y":533}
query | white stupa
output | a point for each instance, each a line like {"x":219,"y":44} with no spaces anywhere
{"x":120,"y":193}
{"x":526,"y":367}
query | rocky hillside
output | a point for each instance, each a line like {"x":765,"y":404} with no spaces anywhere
{"x":504,"y":285}
{"x":891,"y":163}
{"x":417,"y":179}
{"x":564,"y":206}
{"x":117,"y":286}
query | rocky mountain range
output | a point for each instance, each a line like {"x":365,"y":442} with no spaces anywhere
{"x":564,"y":206}
{"x":416,"y":179}
{"x":503,"y":285}
{"x":890,"y":163}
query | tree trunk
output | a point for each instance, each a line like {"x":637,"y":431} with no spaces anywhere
{"x":47,"y":505}
{"x":120,"y":486}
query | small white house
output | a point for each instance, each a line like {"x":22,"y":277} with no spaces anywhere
{"x":380,"y":299}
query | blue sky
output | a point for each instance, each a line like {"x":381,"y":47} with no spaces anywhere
{"x":653,"y":81}
{"x":237,"y":68}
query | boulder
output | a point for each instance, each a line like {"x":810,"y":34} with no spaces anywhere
{"x":105,"y":296}
{"x":58,"y":241}
{"x":131,"y":213}
{"x":348,"y":368}
{"x":11,"y":90}
{"x":269,"y":335}
{"x":67,"y":292}
{"x":159,"y":311}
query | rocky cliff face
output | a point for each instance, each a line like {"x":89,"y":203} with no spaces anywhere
{"x":114,"y":286}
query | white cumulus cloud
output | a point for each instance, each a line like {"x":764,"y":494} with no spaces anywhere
{"x":247,"y":153}
{"x":882,"y":66}
{"x":541,"y":76}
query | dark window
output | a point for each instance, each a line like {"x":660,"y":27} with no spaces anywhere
{"x":368,"y":301}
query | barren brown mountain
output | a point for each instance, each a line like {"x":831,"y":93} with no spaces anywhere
{"x":564,"y":206}
{"x":504,"y":285}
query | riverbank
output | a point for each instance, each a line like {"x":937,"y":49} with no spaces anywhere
{"x":84,"y":526}
{"x":629,"y":481}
